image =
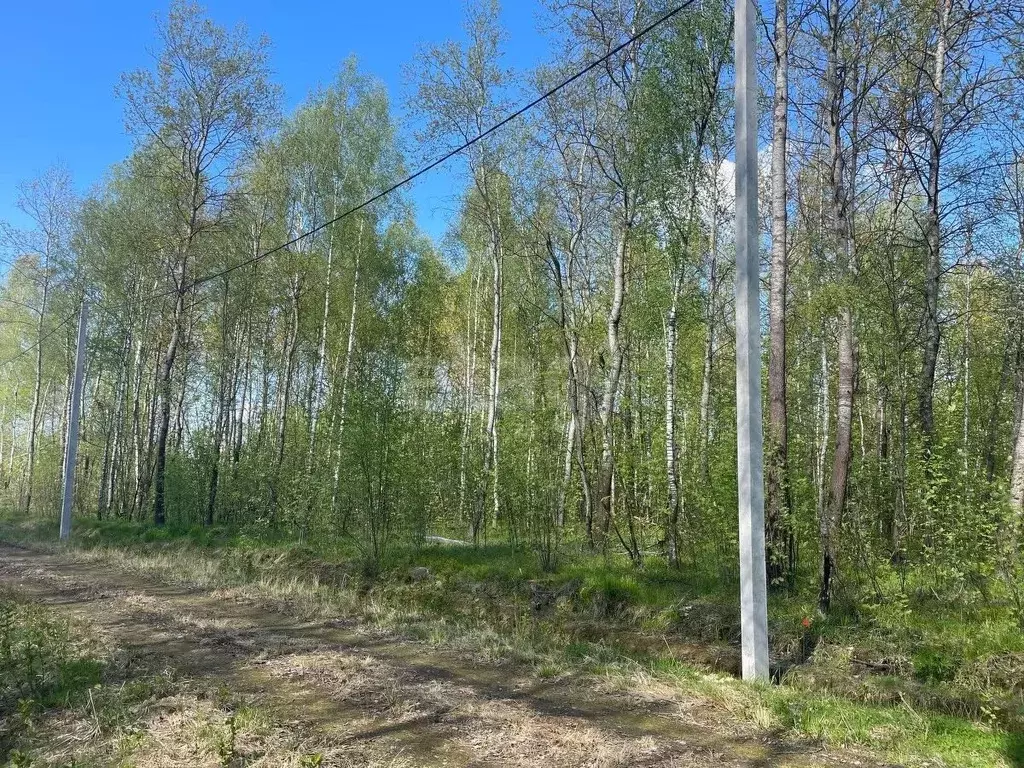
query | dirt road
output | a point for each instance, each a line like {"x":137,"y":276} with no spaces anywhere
{"x":352,"y":697}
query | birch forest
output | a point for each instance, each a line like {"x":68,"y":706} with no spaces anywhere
{"x":557,"y":373}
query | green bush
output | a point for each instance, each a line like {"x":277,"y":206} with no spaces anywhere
{"x":935,"y":666}
{"x":42,"y":662}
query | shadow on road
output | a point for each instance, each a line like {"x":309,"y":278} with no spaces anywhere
{"x":436,"y":705}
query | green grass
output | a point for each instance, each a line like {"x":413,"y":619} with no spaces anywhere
{"x":42,"y":663}
{"x":917,"y":678}
{"x":69,"y":701}
{"x":53,"y":673}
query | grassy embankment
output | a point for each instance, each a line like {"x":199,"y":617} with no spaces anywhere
{"x":923,"y":678}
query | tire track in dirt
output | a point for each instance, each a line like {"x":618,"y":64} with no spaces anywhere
{"x":378,"y":699}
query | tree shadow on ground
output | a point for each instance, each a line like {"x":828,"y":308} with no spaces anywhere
{"x":416,"y":699}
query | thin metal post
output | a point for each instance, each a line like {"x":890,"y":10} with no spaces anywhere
{"x":73,"y":416}
{"x":749,"y":437}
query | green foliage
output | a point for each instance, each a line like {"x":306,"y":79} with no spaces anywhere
{"x":226,"y":742}
{"x":42,"y":661}
{"x":609,"y":619}
{"x":336,"y":405}
{"x":932,"y":666}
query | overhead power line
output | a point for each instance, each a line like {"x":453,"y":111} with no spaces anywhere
{"x":447,"y":156}
{"x":397,"y":185}
{"x":39,"y":341}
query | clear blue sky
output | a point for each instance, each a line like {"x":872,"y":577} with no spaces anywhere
{"x":60,"y":61}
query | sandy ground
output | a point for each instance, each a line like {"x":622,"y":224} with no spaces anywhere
{"x":354,"y":697}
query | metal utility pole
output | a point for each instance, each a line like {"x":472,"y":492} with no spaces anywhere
{"x":749,"y":437}
{"x":76,"y":405}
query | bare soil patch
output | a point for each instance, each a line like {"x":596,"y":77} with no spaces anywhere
{"x":344,"y":695}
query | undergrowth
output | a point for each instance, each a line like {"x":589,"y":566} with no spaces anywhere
{"x":67,"y":701}
{"x":61,"y":693}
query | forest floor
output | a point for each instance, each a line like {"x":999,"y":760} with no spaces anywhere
{"x":214,"y":677}
{"x":142,"y":646}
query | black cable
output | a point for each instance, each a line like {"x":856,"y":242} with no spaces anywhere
{"x":413,"y":176}
{"x":39,"y":341}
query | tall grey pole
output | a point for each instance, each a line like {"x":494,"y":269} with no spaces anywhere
{"x":76,"y":405}
{"x":749,"y":438}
